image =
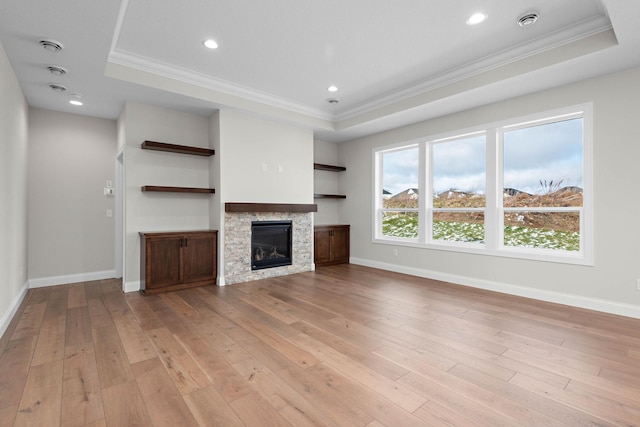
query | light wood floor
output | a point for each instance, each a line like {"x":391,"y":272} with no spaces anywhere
{"x":345,"y":345}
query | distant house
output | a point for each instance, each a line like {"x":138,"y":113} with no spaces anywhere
{"x":410,"y":193}
{"x":452,"y":194}
{"x":510,"y":192}
{"x":386,"y":194}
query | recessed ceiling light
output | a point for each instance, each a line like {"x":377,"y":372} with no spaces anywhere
{"x":51,"y":45}
{"x":528,"y":19}
{"x":56,"y":71}
{"x":476,"y":18}
{"x":75,"y":102}
{"x":210,"y":43}
{"x":57,"y":87}
{"x":332,"y":88}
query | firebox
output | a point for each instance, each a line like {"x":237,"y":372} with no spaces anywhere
{"x":270,"y":244}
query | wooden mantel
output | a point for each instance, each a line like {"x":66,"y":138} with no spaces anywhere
{"x":270,"y":207}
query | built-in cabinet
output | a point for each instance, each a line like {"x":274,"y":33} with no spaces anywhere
{"x":331,"y":244}
{"x":177,"y":260}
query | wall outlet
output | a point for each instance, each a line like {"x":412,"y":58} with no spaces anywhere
{"x":638,"y":284}
{"x":395,"y":253}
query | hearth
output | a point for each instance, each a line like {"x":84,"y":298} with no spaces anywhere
{"x":270,"y":244}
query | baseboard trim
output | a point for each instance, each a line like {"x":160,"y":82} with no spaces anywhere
{"x":13,"y":308}
{"x":71,"y":278}
{"x":131,"y":286}
{"x":604,"y":306}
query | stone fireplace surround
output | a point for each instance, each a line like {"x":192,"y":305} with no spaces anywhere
{"x":237,"y":239}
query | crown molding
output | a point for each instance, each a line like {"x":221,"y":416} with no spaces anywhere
{"x":174,"y":72}
{"x":549,"y":42}
{"x":370,"y":109}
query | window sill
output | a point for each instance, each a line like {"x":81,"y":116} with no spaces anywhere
{"x":479,"y":249}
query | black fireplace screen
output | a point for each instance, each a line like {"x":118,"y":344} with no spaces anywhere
{"x":270,"y":244}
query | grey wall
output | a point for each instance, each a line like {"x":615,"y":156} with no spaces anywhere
{"x":71,"y":157}
{"x":160,"y":211}
{"x":610,"y":285}
{"x":13,"y":192}
{"x":326,"y":182}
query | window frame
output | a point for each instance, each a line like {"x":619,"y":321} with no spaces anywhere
{"x":494,"y":208}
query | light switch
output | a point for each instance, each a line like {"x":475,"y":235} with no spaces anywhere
{"x":108,"y":191}
{"x":109,"y":213}
{"x":109,"y":183}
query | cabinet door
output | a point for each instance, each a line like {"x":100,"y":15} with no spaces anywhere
{"x":200,"y":257}
{"x":322,"y":245}
{"x":163,"y":261}
{"x":340,"y":244}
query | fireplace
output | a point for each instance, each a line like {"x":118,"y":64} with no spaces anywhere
{"x":270,"y":244}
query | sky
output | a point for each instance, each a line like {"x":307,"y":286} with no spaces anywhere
{"x":550,"y":152}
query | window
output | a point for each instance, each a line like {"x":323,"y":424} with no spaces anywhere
{"x":400,"y":170}
{"x":520,"y":188}
{"x":458,"y":189}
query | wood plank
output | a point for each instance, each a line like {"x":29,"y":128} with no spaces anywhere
{"x":270,"y":207}
{"x":51,"y":340}
{"x":145,"y":316}
{"x":539,"y":410}
{"x":98,"y":313}
{"x":222,"y":376}
{"x":292,"y":406}
{"x":82,"y":397}
{"x":162,"y":398}
{"x":135,"y":342}
{"x":167,"y":189}
{"x":78,"y":326}
{"x":380,"y":348}
{"x":210,"y":409}
{"x":77,"y":296}
{"x":30,"y":321}
{"x":14,"y":368}
{"x":57,"y":302}
{"x":253,"y":411}
{"x":399,"y":394}
{"x":124,"y":406}
{"x":111,"y":358}
{"x":367,"y":358}
{"x":175,"y":148}
{"x":185,"y":372}
{"x":42,"y":397}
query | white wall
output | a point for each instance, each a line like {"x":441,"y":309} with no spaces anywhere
{"x":264,"y":161}
{"x":146,"y":211}
{"x":71,"y":157}
{"x":326,"y":182}
{"x":13,"y":192}
{"x":610,"y":285}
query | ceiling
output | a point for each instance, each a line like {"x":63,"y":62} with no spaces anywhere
{"x":394,"y":63}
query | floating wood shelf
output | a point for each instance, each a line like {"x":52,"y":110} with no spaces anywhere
{"x":321,"y":167}
{"x":174,"y":148}
{"x":270,"y":207}
{"x":161,"y":189}
{"x":329,"y":196}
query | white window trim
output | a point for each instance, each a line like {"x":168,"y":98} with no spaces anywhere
{"x":494,"y":210}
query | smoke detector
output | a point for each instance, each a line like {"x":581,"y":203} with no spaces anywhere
{"x":56,"y":71}
{"x":528,"y":19}
{"x":51,"y":45}
{"x":57,"y":87}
